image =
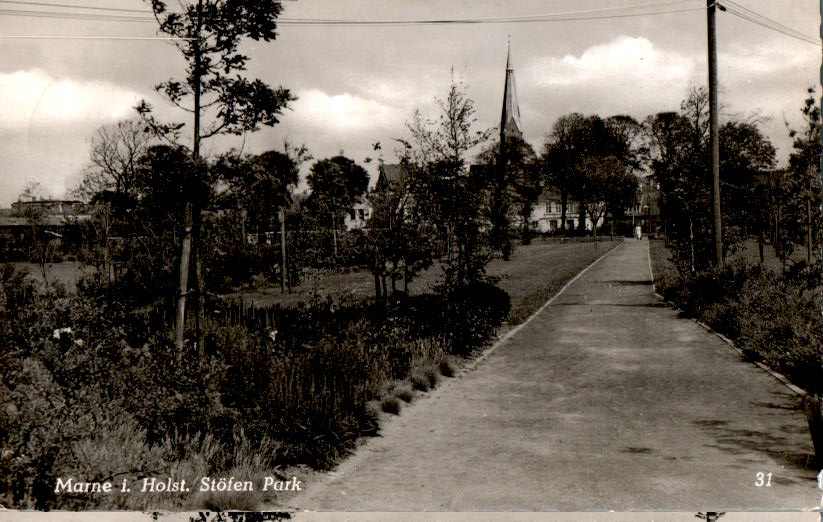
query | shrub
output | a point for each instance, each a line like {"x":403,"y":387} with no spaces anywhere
{"x":390,"y":405}
{"x":95,"y":388}
{"x":404,"y":393}
{"x":445,"y":367}
{"x":475,"y":312}
{"x":774,"y":318}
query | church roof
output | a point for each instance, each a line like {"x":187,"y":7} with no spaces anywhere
{"x":510,"y":118}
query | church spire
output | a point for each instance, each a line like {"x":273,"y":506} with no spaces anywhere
{"x":510,"y":119}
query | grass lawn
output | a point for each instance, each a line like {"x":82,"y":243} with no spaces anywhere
{"x":750,"y":251}
{"x":533,"y":274}
{"x":662,"y":264}
{"x":663,"y":268}
{"x":67,"y":273}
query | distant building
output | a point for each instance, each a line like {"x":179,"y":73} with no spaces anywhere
{"x":52,"y":219}
{"x":358,"y":215}
{"x":546,"y":214}
{"x":390,"y":177}
{"x":646,"y":212}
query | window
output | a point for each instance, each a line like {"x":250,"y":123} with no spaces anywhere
{"x":362,"y":214}
{"x":548,"y":207}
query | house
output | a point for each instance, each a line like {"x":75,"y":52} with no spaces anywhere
{"x":55,"y":219}
{"x":647,"y":210}
{"x":547,"y":213}
{"x":358,"y":214}
{"x":390,"y":177}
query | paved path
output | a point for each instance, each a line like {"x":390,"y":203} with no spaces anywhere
{"x":605,"y":400}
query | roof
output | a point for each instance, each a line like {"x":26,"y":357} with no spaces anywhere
{"x":11,"y":218}
{"x":510,"y":119}
{"x":548,"y":194}
{"x":394,"y":174}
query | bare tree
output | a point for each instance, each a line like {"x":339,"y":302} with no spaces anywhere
{"x":115,"y":150}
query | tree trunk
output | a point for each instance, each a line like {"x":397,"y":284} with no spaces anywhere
{"x":809,"y":230}
{"x":377,"y":292}
{"x":564,"y":200}
{"x":186,"y":247}
{"x":185,"y":255}
{"x":760,"y":244}
{"x":691,"y":240}
{"x":282,"y":250}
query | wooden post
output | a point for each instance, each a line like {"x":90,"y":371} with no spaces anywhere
{"x":714,"y":135}
{"x":282,"y":250}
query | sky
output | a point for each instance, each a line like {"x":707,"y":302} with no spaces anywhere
{"x":61,"y":79}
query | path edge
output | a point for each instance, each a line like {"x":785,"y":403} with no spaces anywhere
{"x":511,"y":333}
{"x":777,"y":375}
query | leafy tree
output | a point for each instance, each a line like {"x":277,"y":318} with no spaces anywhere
{"x":208,"y":33}
{"x":399,"y":240}
{"x":746,"y":159}
{"x":526,"y":181}
{"x":801,"y":218}
{"x":254,"y":192}
{"x":439,"y":149}
{"x":608,"y":187}
{"x":625,"y":141}
{"x":678,"y":156}
{"x":562,"y":152}
{"x":578,"y":143}
{"x":167,"y":179}
{"x":336,"y":184}
{"x":513,"y":188}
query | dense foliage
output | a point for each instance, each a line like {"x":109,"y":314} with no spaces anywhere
{"x":96,"y":389}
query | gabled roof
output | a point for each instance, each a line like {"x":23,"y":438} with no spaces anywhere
{"x":548,"y":194}
{"x":390,"y":176}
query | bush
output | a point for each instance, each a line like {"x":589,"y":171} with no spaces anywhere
{"x":94,"y":387}
{"x":475,"y":312}
{"x":390,"y":405}
{"x":774,"y":318}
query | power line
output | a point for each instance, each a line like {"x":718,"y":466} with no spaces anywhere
{"x":647,"y":9}
{"x":64,"y":15}
{"x":75,"y":6}
{"x":637,"y":10}
{"x":756,"y":18}
{"x":89,"y":37}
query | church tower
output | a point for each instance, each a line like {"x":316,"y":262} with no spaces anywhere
{"x":510,"y":119}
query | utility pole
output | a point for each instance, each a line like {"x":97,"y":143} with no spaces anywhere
{"x":283,"y":249}
{"x":714,"y":132}
{"x":821,"y":133}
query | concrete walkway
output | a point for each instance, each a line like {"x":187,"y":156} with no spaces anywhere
{"x":605,"y":400}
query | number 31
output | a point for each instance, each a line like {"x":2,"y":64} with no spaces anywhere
{"x":763,"y":479}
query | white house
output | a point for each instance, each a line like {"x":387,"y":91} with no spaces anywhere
{"x":546,"y":214}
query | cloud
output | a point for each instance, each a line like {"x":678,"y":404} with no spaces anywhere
{"x":55,"y":114}
{"x":34,"y":98}
{"x":623,"y":63}
{"x":343,"y":112}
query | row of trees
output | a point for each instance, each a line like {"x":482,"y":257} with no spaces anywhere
{"x":780,"y":206}
{"x":443,"y":207}
{"x":157,"y":192}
